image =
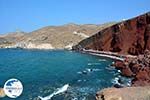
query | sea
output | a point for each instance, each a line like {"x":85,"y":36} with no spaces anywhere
{"x":45,"y":72}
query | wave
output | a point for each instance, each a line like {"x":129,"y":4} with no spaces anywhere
{"x":110,"y":68}
{"x":122,"y":81}
{"x":90,"y":64}
{"x":60,"y":90}
{"x":88,"y":70}
{"x":102,"y":60}
{"x":115,"y":80}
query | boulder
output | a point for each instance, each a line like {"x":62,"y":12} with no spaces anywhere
{"x":142,"y":75}
{"x":119,"y":65}
{"x":135,"y":68}
{"x":127,"y":72}
{"x":142,"y":78}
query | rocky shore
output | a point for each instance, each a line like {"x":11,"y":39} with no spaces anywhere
{"x":119,"y":41}
{"x":129,"y":37}
{"x":137,"y":68}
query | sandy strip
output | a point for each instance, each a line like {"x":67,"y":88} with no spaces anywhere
{"x":109,"y":56}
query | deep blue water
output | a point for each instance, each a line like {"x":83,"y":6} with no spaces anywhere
{"x":42,"y":72}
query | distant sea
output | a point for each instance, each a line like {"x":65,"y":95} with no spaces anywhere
{"x":44,"y":71}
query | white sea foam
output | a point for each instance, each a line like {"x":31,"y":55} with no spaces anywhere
{"x":102,"y":60}
{"x":89,"y":64}
{"x":110,"y":68}
{"x":60,"y":90}
{"x":88,"y":70}
{"x":124,"y":81}
{"x":119,"y":71}
{"x":94,"y":64}
{"x":115,"y":80}
{"x":79,"y":80}
{"x":79,"y":72}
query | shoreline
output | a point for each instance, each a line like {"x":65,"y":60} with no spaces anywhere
{"x":37,"y":49}
{"x":117,"y":58}
{"x":111,"y":55}
{"x":139,"y":70}
{"x":135,"y":67}
{"x":108,"y":56}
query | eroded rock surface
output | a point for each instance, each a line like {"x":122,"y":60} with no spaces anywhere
{"x":128,"y":37}
{"x":138,"y":68}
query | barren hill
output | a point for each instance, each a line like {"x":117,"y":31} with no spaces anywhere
{"x":58,"y":37}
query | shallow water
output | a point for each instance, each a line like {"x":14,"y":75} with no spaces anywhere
{"x":43,"y":71}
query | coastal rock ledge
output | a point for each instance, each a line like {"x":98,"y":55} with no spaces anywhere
{"x":129,"y":93}
{"x":137,"y":68}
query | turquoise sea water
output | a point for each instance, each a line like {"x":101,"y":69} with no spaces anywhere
{"x":42,"y":72}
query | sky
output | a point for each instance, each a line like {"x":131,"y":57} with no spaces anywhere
{"x":30,"y":15}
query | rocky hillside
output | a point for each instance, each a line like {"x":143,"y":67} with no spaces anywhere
{"x":128,"y":37}
{"x":58,"y":37}
{"x":10,"y":38}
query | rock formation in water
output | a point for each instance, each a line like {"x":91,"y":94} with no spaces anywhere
{"x":137,"y":68}
{"x":128,"y":37}
{"x":51,"y":37}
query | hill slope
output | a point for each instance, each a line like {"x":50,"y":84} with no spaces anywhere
{"x":128,"y":37}
{"x":58,"y":37}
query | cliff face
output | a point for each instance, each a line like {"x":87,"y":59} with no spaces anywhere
{"x":128,"y":37}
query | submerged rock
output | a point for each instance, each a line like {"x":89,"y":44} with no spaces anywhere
{"x":119,"y":65}
{"x":138,"y":68}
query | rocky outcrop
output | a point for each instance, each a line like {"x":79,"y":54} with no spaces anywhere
{"x":39,"y":46}
{"x":29,"y":45}
{"x":125,"y":70}
{"x":128,"y":37}
{"x":128,"y":93}
{"x":138,"y":68}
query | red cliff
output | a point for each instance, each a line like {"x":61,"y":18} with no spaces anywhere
{"x":128,"y":37}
